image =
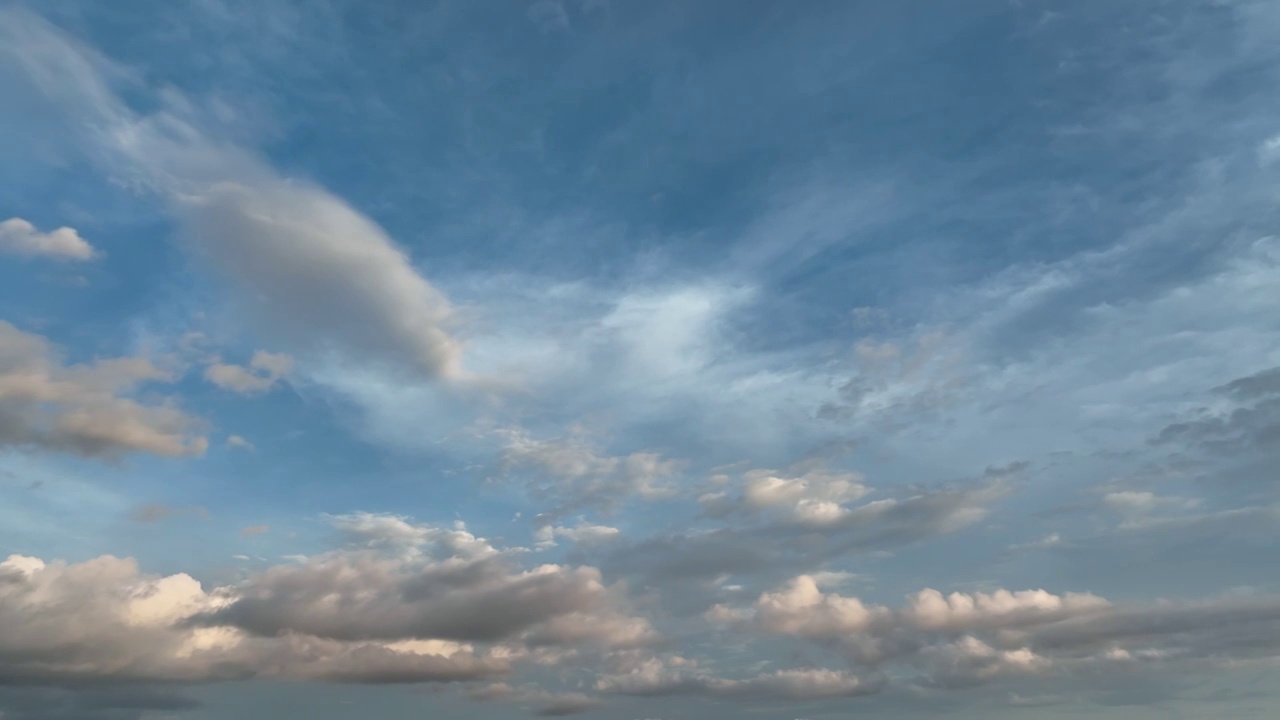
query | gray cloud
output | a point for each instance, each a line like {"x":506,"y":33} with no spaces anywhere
{"x":378,"y":598}
{"x":100,"y":703}
{"x":85,"y":409}
{"x":1252,"y":425}
{"x":544,"y":703}
{"x":793,"y":537}
{"x":1251,"y":387}
{"x":411,"y":581}
{"x":317,"y":272}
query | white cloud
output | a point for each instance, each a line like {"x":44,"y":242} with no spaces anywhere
{"x":815,"y":498}
{"x":963,"y":639}
{"x":85,"y":408}
{"x":20,"y":237}
{"x":263,"y":372}
{"x":352,"y":615}
{"x":581,"y":534}
{"x":676,"y":676}
{"x":237,"y":441}
{"x":1135,"y":503}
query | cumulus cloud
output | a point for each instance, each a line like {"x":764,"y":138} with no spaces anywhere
{"x":263,"y":372}
{"x":400,"y":580}
{"x":89,"y":408}
{"x":318,"y":273}
{"x":356,"y":615}
{"x":963,"y":639}
{"x":815,"y":498}
{"x":20,"y":237}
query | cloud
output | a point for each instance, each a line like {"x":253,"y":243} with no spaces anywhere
{"x":352,"y":615}
{"x":263,"y":372}
{"x":315,"y":271}
{"x":155,"y":512}
{"x":546,"y":704}
{"x":786,"y":541}
{"x":963,"y":639}
{"x":102,"y":703}
{"x":895,"y":383}
{"x":86,"y":409}
{"x":19,"y":237}
{"x":254,"y":530}
{"x":401,"y":580}
{"x":655,"y":677}
{"x":1249,"y":424}
{"x":318,"y":271}
{"x":574,"y":474}
{"x":581,"y":534}
{"x":237,"y":441}
{"x":386,"y":599}
{"x":817,"y":497}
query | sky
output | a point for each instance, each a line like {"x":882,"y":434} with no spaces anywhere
{"x":639,"y":360}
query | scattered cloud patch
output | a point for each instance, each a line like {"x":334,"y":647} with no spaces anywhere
{"x":86,"y":409}
{"x":262,"y":373}
{"x":19,"y":237}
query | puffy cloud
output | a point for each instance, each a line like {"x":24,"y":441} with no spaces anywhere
{"x":87,"y":408}
{"x":969,"y":661}
{"x":354,"y":615}
{"x":401,"y":580}
{"x":816,"y":498}
{"x":802,"y":609}
{"x":931,"y":610}
{"x":19,"y":237}
{"x":102,"y":619}
{"x":264,"y":371}
{"x":962,"y":639}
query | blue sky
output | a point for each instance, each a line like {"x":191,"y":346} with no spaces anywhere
{"x":638,"y":360}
